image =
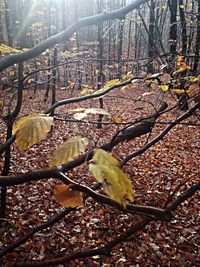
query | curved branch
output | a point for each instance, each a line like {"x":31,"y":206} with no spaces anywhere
{"x":139,"y":129}
{"x":38,"y":228}
{"x":56,"y":173}
{"x":105,"y":250}
{"x":162,"y":134}
{"x":7,"y":143}
{"x":185,"y":195}
{"x":40,"y":48}
{"x":73,"y":100}
{"x":94,"y":95}
{"x":130,"y":208}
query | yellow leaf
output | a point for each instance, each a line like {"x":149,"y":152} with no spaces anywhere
{"x":104,"y":158}
{"x":178,"y":91}
{"x":7,"y":49}
{"x":97,"y":172}
{"x":25,"y":49}
{"x":31,"y":129}
{"x":67,"y":197}
{"x":87,"y":91}
{"x":69,"y":150}
{"x":180,"y":58}
{"x":115,"y":182}
{"x":195,"y":79}
{"x":188,"y":91}
{"x":182,"y":6}
{"x":108,"y":85}
{"x":1,"y":105}
{"x":96,"y":72}
{"x":164,"y":87}
{"x":183,"y":68}
{"x":117,"y":119}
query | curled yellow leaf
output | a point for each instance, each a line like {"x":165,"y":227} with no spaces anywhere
{"x":81,"y":113}
{"x":164,"y":87}
{"x":31,"y":129}
{"x":69,"y":150}
{"x":115,"y":182}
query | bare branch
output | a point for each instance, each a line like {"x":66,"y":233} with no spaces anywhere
{"x":105,"y":250}
{"x":185,"y":195}
{"x":162,"y":134}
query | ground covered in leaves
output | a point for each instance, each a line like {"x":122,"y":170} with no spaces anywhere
{"x":155,"y":175}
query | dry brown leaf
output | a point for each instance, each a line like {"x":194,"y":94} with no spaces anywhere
{"x":67,"y":197}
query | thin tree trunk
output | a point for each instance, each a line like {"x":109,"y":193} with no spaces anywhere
{"x":150,"y":67}
{"x":173,"y":30}
{"x":120,"y":43}
{"x":197,"y":45}
{"x":54,"y":80}
{"x":8,"y":23}
{"x":10,"y":120}
{"x":100,"y":58}
{"x":184,"y":29}
{"x":49,"y":56}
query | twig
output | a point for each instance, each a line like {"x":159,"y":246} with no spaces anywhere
{"x":161,"y":135}
{"x":105,"y":250}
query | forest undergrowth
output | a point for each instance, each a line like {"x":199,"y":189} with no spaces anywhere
{"x":154,"y":175}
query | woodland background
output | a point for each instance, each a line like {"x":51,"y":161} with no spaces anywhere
{"x":126,"y":78}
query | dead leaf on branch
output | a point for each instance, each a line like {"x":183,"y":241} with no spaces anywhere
{"x":69,"y":150}
{"x":31,"y":129}
{"x":115,"y":182}
{"x":81,"y":113}
{"x":67,"y":197}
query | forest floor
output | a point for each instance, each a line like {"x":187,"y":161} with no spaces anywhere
{"x":154,"y":175}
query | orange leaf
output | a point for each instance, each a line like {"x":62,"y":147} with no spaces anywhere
{"x":67,"y":197}
{"x":180,"y":58}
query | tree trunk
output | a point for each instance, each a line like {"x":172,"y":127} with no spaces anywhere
{"x":184,"y":29}
{"x":100,"y":59}
{"x":8,"y":23}
{"x":197,"y":45}
{"x":49,"y":55}
{"x":173,"y":31}
{"x":150,"y":67}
